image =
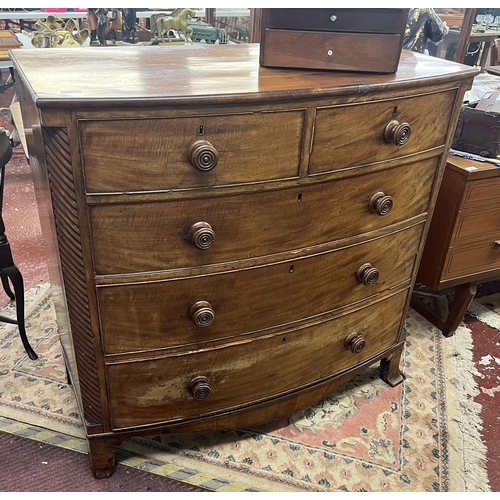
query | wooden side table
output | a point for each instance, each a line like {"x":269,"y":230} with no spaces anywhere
{"x":463,"y":243}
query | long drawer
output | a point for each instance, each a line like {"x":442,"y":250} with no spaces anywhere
{"x":353,"y":135}
{"x":191,"y":385}
{"x":188,"y":311}
{"x":200,"y":232}
{"x":333,"y":51}
{"x":199,"y":151}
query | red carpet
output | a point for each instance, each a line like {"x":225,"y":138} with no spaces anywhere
{"x":32,"y":466}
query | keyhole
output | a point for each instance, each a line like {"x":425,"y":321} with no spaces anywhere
{"x":299,"y":197}
{"x":201,"y":130}
{"x":284,"y":340}
{"x":395,"y":111}
{"x":292,"y":269}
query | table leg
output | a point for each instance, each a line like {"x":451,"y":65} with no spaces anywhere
{"x":463,"y":297}
{"x":485,"y":53}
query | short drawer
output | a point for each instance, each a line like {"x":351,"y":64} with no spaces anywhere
{"x":208,"y":231}
{"x":195,"y":384}
{"x":482,"y":192}
{"x":472,"y":259}
{"x":335,"y":19}
{"x":354,"y":135}
{"x":182,"y":153}
{"x":331,"y":51}
{"x":200,"y":309}
{"x":472,"y":225}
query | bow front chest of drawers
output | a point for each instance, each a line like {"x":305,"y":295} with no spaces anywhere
{"x":228,"y":243}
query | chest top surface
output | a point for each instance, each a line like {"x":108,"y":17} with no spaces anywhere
{"x":147,"y":76}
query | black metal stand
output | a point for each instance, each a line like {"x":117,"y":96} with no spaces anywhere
{"x":9,"y":273}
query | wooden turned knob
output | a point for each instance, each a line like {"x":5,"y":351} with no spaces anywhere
{"x":203,"y":156}
{"x":201,"y":235}
{"x":397,"y":133}
{"x":201,"y":313}
{"x":367,"y":274}
{"x":200,"y":388}
{"x":380,"y":203}
{"x":355,"y":342}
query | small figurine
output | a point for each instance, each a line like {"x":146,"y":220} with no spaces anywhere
{"x":101,"y":15}
{"x":162,"y":25}
{"x":128,"y":25}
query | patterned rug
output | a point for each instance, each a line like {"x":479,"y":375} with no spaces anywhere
{"x":420,"y":436}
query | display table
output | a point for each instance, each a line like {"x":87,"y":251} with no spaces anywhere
{"x":228,"y":244}
{"x":485,"y":37}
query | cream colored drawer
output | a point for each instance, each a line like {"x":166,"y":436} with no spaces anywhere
{"x":196,"y":310}
{"x":202,"y":232}
{"x":352,"y":135}
{"x":195,"y":152}
{"x":192,"y":385}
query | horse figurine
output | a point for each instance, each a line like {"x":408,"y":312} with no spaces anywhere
{"x":153,"y":25}
{"x":178,"y":23}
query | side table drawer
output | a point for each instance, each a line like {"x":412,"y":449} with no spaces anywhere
{"x":482,"y":192}
{"x":472,"y":259}
{"x":192,"y":385}
{"x":472,"y":225}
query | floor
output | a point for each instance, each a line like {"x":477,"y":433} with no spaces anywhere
{"x":21,"y":220}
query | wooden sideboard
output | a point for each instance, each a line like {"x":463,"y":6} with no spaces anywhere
{"x":463,"y":245}
{"x":228,"y":243}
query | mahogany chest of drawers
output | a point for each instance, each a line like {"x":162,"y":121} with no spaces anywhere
{"x":463,"y":244}
{"x":228,"y":243}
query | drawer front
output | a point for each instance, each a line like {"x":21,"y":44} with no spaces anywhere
{"x":473,"y":258}
{"x":162,"y":390}
{"x":337,"y":147}
{"x":201,"y":309}
{"x":335,"y":19}
{"x":323,"y":50}
{"x":180,"y":153}
{"x":476,"y":224}
{"x":483,"y":192}
{"x":246,"y":226}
